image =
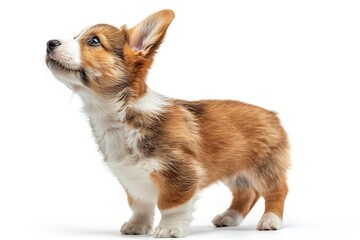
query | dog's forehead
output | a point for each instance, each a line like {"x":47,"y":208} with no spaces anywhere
{"x":104,"y":29}
{"x":82,"y":33}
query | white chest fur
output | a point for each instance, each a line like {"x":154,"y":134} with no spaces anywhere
{"x":136,"y":177}
{"x":113,"y":137}
{"x":132,"y":172}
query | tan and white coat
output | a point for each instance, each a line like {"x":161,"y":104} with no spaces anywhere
{"x":163,"y":150}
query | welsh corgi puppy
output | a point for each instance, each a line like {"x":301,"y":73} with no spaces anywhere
{"x":162,"y":150}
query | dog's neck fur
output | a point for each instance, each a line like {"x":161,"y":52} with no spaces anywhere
{"x":118,"y":140}
{"x":112,"y":120}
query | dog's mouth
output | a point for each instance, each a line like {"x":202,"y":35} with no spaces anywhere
{"x":56,"y":65}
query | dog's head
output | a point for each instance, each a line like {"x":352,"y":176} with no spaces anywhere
{"x":105,"y":60}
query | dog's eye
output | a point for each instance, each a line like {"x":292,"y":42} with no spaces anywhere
{"x":94,"y":41}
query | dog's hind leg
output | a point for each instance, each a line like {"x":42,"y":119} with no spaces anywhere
{"x":244,"y":198}
{"x":274,"y":207}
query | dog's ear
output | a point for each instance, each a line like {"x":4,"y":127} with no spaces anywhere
{"x":147,"y":36}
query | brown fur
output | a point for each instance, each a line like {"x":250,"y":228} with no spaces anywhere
{"x":224,"y":138}
{"x":196,"y":143}
{"x":103,"y":71}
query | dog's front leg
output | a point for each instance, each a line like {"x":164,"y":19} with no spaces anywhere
{"x":142,"y":219}
{"x":175,"y":221}
{"x":176,"y":197}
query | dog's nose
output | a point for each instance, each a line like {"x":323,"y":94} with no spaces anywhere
{"x":52,"y":44}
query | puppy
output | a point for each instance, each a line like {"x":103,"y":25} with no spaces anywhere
{"x":163,"y":150}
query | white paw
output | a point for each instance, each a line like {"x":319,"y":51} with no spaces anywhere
{"x":229,"y":218}
{"x":168,"y":232}
{"x":269,"y":221}
{"x":135,"y":228}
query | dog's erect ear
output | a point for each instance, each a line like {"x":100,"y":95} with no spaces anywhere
{"x":149,"y":33}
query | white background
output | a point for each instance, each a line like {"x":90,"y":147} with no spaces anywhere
{"x":300,"y":58}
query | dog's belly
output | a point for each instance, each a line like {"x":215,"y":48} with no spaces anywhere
{"x":135,"y":177}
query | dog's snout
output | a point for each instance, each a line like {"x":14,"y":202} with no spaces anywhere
{"x":52,"y":44}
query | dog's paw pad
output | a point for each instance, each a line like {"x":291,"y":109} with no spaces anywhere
{"x":133,"y":228}
{"x":168,"y":232}
{"x":269,"y":221}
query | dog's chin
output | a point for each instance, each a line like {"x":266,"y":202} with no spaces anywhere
{"x":59,"y":68}
{"x":68,"y":76}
